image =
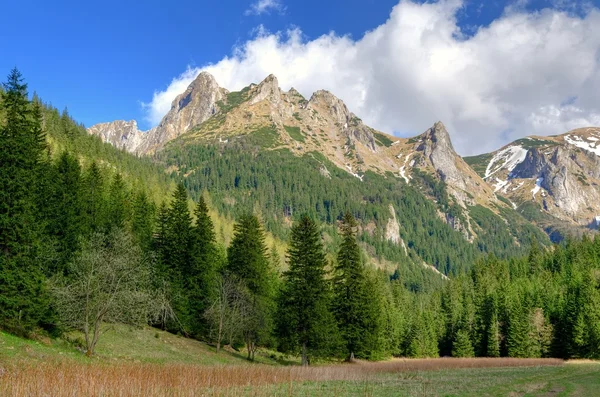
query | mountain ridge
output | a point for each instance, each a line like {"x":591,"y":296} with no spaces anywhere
{"x":274,"y":119}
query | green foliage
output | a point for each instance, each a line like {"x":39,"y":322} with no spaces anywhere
{"x":479,"y":163}
{"x":463,"y":347}
{"x":23,"y":297}
{"x":382,"y":140}
{"x":238,"y":176}
{"x":295,"y":133}
{"x":305,"y":324}
{"x":247,"y":260}
{"x":354,"y":304}
{"x":201,"y":276}
{"x":265,"y":137}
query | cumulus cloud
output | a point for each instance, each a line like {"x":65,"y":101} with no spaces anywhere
{"x":525,"y":73}
{"x":265,"y":6}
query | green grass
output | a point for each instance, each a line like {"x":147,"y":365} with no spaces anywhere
{"x":264,"y":137}
{"x":124,"y":343}
{"x":234,"y":99}
{"x":382,"y":140}
{"x":568,"y":380}
{"x":295,"y":133}
{"x":479,"y":163}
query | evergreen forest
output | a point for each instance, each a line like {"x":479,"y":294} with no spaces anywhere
{"x":91,"y":235}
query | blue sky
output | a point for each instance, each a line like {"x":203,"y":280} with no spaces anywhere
{"x":103,"y":59}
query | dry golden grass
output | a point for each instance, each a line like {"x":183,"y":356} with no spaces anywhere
{"x":68,"y":378}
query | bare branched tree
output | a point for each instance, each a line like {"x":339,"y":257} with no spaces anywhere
{"x":108,"y":281}
{"x":227,"y":311}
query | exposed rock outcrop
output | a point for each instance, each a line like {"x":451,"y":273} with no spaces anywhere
{"x":121,"y":134}
{"x":559,"y":174}
{"x":197,"y":104}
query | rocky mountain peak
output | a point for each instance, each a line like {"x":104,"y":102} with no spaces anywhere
{"x":122,"y":134}
{"x":439,"y":136}
{"x":437,"y":147}
{"x":194,"y":106}
{"x":335,"y":105}
{"x":267,"y":89}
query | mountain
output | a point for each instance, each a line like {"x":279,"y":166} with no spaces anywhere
{"x":194,"y":106}
{"x":267,"y":150}
{"x":554,"y":181}
{"x":287,"y":120}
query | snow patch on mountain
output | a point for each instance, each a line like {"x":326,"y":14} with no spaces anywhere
{"x":538,"y":186}
{"x":580,"y":143}
{"x":500,"y":184}
{"x":507,"y":159}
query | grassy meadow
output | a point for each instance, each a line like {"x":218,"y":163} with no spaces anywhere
{"x":148,"y":362}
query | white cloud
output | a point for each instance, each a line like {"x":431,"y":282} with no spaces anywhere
{"x":265,"y":6}
{"x":508,"y":80}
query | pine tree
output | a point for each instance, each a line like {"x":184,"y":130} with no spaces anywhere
{"x":305,"y":323}
{"x":248,"y":261}
{"x":201,"y":276}
{"x":67,"y":223}
{"x":492,"y":335}
{"x":118,"y":206}
{"x":349,"y":285}
{"x":519,"y":331}
{"x":177,"y":252}
{"x":142,"y":222}
{"x":462,"y":346}
{"x":159,"y":239}
{"x":23,"y":299}
{"x":94,"y":201}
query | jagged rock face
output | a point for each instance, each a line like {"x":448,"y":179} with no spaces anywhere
{"x":560,"y":175}
{"x":196,"y":105}
{"x":392,"y":230}
{"x":121,"y":134}
{"x":350,"y":125}
{"x":438,"y":152}
{"x":322,"y":124}
{"x":268,"y":90}
{"x":438,"y":148}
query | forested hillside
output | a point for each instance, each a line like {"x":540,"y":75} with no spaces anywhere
{"x":242,"y":177}
{"x":90,"y":235}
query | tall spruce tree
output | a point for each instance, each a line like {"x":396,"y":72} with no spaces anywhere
{"x":178,"y":252}
{"x":23,"y":303}
{"x":248,"y":261}
{"x":142,"y":222}
{"x":305,"y":323}
{"x":118,"y":204}
{"x":68,"y":221}
{"x":201,"y":276}
{"x":94,"y":201}
{"x":349,"y":286}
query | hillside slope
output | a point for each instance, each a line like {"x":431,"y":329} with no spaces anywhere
{"x":121,"y":343}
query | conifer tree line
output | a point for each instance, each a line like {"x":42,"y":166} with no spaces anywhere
{"x":81,"y":246}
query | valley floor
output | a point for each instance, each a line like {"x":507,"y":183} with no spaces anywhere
{"x":135,"y":362}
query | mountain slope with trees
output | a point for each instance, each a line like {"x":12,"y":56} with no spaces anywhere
{"x":83,"y":244}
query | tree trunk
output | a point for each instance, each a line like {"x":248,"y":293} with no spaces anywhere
{"x":304,"y":355}
{"x":220,"y":335}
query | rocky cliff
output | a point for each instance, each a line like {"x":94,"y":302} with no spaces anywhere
{"x":559,"y":176}
{"x":121,"y":134}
